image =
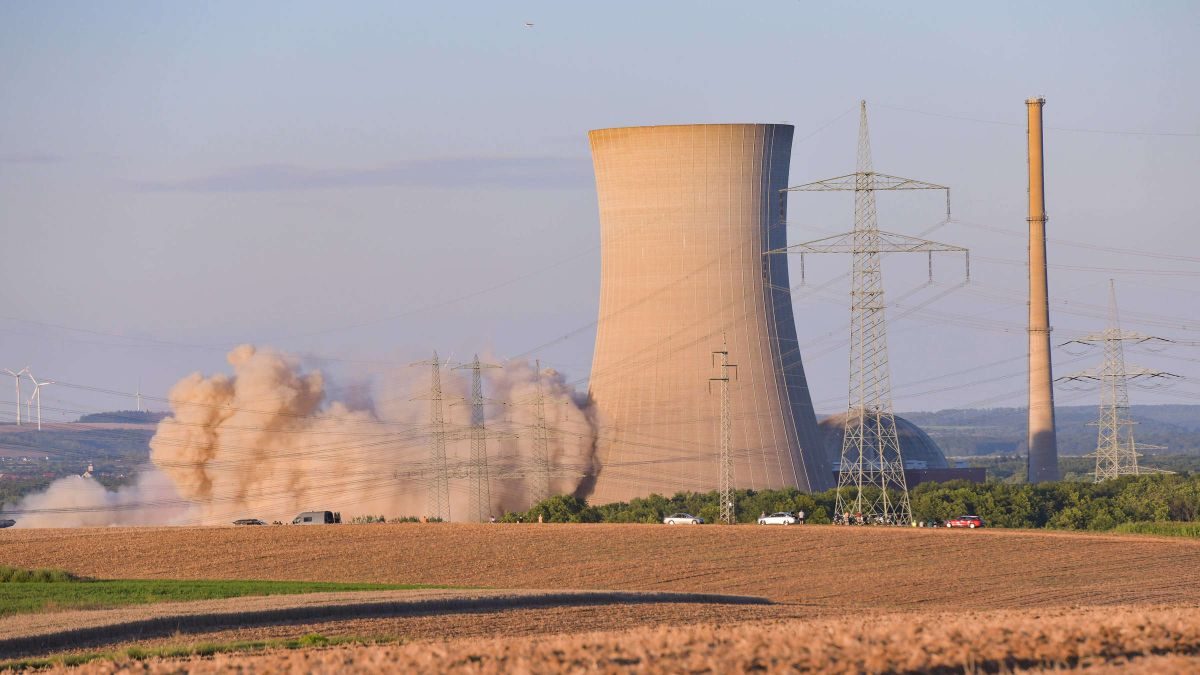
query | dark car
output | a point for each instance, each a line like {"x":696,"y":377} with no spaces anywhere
{"x":249,"y":521}
{"x":7,"y":522}
{"x":971,"y":522}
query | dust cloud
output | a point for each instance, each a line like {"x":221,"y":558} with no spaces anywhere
{"x":271,"y":439}
{"x":76,"y":501}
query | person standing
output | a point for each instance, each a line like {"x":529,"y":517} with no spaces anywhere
{"x":800,"y":516}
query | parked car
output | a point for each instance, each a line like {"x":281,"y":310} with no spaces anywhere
{"x":682,"y":519}
{"x":780,"y":518}
{"x":965,"y":521}
{"x":7,"y":522}
{"x":317,"y":518}
{"x":249,"y":521}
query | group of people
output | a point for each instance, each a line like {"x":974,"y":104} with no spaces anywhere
{"x":492,"y":519}
{"x":858,"y":519}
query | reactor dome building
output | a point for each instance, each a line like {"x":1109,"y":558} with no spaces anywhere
{"x":686,"y":215}
{"x":917,"y":449}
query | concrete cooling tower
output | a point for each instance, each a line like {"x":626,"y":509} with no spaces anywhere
{"x":686,"y":213}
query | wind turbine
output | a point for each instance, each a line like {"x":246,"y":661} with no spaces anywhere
{"x":37,"y":395}
{"x":17,"y":376}
{"x":139,"y":395}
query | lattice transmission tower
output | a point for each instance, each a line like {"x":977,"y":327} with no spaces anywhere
{"x":479,"y":499}
{"x":1116,"y":450}
{"x":539,"y":488}
{"x":439,"y":481}
{"x":725,"y":466}
{"x":542,"y":468}
{"x":871,"y":462}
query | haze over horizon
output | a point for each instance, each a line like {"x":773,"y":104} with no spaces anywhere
{"x":360,"y":185}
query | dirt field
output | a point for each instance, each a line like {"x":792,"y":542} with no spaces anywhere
{"x":341,"y":613}
{"x":821,"y":568}
{"x":1146,"y":641}
{"x":990,"y":585}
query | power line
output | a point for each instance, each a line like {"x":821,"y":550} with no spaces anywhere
{"x":1111,"y":132}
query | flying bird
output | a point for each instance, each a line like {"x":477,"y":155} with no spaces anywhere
{"x":529,"y":24}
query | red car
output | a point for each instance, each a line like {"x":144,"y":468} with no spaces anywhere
{"x":965,"y":521}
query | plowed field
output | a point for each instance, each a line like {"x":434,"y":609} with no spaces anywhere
{"x":955,"y":600}
{"x":825,"y":569}
{"x":1139,"y":641}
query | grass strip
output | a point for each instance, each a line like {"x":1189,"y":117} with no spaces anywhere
{"x":187,"y":650}
{"x":30,"y":591}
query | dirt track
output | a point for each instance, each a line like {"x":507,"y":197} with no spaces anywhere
{"x":821,"y":569}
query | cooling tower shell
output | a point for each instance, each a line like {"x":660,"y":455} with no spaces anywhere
{"x":686,"y":214}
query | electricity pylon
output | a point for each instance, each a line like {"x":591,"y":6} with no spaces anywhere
{"x":439,"y":487}
{"x":725,"y":469}
{"x":870,"y":447}
{"x":1116,"y":451}
{"x":540,"y":488}
{"x":542,"y":469}
{"x":479,"y":502}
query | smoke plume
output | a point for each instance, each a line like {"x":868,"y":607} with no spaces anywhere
{"x":269,"y":440}
{"x":76,"y":501}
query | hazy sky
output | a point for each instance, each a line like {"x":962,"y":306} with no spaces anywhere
{"x":368,"y":181}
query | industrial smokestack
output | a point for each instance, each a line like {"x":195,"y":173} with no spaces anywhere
{"x":1043,"y":442}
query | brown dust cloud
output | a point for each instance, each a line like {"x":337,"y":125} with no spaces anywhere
{"x":271,"y":439}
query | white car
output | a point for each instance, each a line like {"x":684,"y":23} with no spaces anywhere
{"x":682,"y":519}
{"x":781,"y":518}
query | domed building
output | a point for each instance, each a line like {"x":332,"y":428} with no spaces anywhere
{"x":916,"y":447}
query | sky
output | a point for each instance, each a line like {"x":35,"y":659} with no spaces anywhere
{"x":361,"y":183}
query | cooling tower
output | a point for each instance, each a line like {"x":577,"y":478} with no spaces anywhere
{"x":686,"y":213}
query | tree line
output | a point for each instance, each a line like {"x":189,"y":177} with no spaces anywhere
{"x":1068,"y":505}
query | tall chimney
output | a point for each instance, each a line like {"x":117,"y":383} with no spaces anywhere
{"x":1043,"y":442}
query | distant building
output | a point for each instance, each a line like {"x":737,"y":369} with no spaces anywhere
{"x":924,"y":460}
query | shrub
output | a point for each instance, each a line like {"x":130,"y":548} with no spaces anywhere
{"x":10,"y":574}
{"x":1191,"y":529}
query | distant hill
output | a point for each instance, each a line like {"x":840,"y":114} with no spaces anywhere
{"x":1001,"y":431}
{"x":124,"y":417}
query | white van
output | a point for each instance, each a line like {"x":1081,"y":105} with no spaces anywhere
{"x":317,"y":518}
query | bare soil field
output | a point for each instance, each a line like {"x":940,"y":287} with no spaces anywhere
{"x":821,"y":569}
{"x":1000,"y":600}
{"x":72,"y":631}
{"x":1125,"y":640}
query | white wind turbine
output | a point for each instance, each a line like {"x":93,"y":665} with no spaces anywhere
{"x":17,"y":376}
{"x":37,"y":395}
